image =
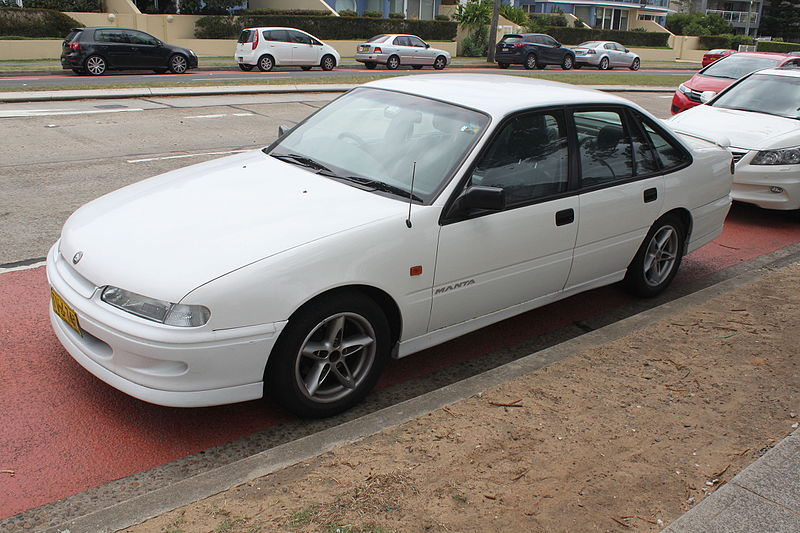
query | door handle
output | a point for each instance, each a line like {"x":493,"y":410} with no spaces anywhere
{"x":564,"y":217}
{"x":650,"y":195}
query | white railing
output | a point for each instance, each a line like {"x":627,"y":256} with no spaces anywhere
{"x":735,"y":16}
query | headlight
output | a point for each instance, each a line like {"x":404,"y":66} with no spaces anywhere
{"x":156,"y":310}
{"x":192,"y":52}
{"x":684,"y":89}
{"x":786,"y":156}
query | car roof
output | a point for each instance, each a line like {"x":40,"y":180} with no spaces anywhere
{"x":776,"y":55}
{"x":496,"y":94}
{"x":260,"y":28}
{"x":792,"y":72}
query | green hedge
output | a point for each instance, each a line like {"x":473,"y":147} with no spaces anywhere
{"x":89,"y":6}
{"x":724,"y":41}
{"x":332,"y":28}
{"x":777,"y":46}
{"x":573,"y":36}
{"x":35,"y":22}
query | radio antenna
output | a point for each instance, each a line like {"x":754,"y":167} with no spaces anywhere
{"x":411,"y":193}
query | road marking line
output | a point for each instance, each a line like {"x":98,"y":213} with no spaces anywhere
{"x":23,"y":267}
{"x":244,"y":114}
{"x":207,"y":116}
{"x":22,"y":113}
{"x":183,"y":156}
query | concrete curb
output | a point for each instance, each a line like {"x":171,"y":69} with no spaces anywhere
{"x":148,"y":92}
{"x":141,"y":508}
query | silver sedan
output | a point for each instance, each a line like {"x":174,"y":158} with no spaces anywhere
{"x":605,"y":55}
{"x":394,"y":50}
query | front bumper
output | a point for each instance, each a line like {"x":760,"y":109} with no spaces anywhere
{"x":164,"y":365}
{"x":681,"y":102}
{"x":755,"y":184}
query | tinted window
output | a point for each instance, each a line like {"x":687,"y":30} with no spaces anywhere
{"x":511,"y":39}
{"x":276,"y":35}
{"x":528,"y":158}
{"x":608,"y":46}
{"x":73,"y":36}
{"x":588,"y":44}
{"x":401,"y":41}
{"x":735,"y":66}
{"x":605,"y":147}
{"x":619,"y":47}
{"x":416,"y":41}
{"x":669,"y":151}
{"x":110,"y":36}
{"x":247,"y":36}
{"x":138,"y":37}
{"x":297,"y":37}
{"x":549,"y":41}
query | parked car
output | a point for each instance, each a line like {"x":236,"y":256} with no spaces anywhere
{"x":720,"y":74}
{"x":266,"y":48}
{"x":759,"y":115}
{"x":605,"y":55}
{"x":718,"y":53}
{"x":532,"y":50}
{"x":394,"y":50}
{"x":93,"y":51}
{"x":407,"y":212}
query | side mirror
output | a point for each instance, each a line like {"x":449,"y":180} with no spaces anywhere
{"x":427,"y":45}
{"x":707,"y":96}
{"x":480,"y":197}
{"x":283,"y":129}
{"x":558,"y":45}
{"x":627,"y":51}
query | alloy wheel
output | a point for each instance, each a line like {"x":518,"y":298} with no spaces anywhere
{"x":177,"y":64}
{"x":661,"y":255}
{"x":95,"y":65}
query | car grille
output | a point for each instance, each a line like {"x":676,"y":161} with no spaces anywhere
{"x":694,"y":96}
{"x":738,"y":154}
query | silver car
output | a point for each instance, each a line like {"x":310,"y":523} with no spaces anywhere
{"x":394,"y":50}
{"x":605,"y":55}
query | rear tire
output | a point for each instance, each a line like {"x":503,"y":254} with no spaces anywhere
{"x":266,"y":63}
{"x":95,"y":66}
{"x":605,"y":64}
{"x":658,"y":259}
{"x":370,"y":65}
{"x":245,"y":67}
{"x":329,"y":356}
{"x":393,"y":62}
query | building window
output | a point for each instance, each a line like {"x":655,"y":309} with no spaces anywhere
{"x":341,"y":5}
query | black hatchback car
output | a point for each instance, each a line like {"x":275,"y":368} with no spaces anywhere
{"x":95,"y":50}
{"x":532,"y":50}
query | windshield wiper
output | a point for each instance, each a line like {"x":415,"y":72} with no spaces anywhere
{"x":378,"y":186}
{"x":302,"y":160}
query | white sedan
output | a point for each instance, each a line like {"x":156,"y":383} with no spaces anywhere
{"x":405,"y":213}
{"x":760,"y":116}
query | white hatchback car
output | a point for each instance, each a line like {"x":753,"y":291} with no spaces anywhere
{"x":403,"y":214}
{"x":759,"y":116}
{"x":266,"y":48}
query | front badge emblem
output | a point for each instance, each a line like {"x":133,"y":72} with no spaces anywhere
{"x":76,"y":258}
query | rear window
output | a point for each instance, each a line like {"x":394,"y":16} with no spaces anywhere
{"x":74,"y":35}
{"x":511,"y":39}
{"x":247,"y":36}
{"x":588,"y":44}
{"x":378,"y":39}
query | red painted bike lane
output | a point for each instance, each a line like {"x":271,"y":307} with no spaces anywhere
{"x":64,"y":431}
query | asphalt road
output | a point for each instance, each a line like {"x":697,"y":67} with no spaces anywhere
{"x":67,"y":435}
{"x":67,"y":78}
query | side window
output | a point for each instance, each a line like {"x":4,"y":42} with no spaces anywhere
{"x":605,"y":147}
{"x":297,"y":37}
{"x":278,"y":35}
{"x":137,"y":37}
{"x":528,"y":158}
{"x":416,"y":41}
{"x":669,"y":151}
{"x":401,"y":41}
{"x":549,"y":41}
{"x":268,"y":35}
{"x":110,"y":36}
{"x":619,"y":47}
{"x":608,"y":46}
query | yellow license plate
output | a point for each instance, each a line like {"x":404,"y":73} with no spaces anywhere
{"x":66,"y":313}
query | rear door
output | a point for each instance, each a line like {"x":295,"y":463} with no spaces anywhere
{"x":114,"y":46}
{"x":278,"y":44}
{"x":245,"y":44}
{"x":554,"y":54}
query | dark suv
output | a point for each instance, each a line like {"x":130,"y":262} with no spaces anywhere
{"x":533,"y":50}
{"x":95,"y":50}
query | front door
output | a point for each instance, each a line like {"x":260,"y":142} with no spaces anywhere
{"x":303,"y":52}
{"x":490,"y":261}
{"x":147,"y":50}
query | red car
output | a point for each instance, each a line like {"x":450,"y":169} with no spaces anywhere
{"x":718,"y":53}
{"x":723,"y":72}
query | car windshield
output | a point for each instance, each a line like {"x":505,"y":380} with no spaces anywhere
{"x":378,"y":39}
{"x":247,"y":36}
{"x":588,"y":44}
{"x":764,"y":93}
{"x":735,"y":66}
{"x":377,"y":140}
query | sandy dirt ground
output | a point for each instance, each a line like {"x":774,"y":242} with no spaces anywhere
{"x":624,"y":436}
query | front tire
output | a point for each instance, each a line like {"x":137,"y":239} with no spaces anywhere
{"x":393,"y":62}
{"x":531,"y":62}
{"x":416,"y":67}
{"x":439,"y":63}
{"x":266,"y":63}
{"x":178,"y":64}
{"x":636,"y":64}
{"x":305,"y":67}
{"x":329,"y":356}
{"x":328,"y":62}
{"x":567,"y":63}
{"x":95,"y":66}
{"x":658,"y":258}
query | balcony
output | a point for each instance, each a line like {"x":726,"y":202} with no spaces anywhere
{"x":736,"y":17}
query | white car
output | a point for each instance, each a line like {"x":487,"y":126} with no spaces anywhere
{"x":605,"y":55}
{"x":760,"y":117}
{"x":403,"y":214}
{"x":266,"y":48}
{"x":394,"y":50}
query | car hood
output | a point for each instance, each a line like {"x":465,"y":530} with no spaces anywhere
{"x":762,"y":131}
{"x":165,"y":236}
{"x":701,"y":83}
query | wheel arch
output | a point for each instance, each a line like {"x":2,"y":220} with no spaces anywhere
{"x":685,"y":217}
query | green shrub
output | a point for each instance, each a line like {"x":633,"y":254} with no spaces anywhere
{"x":92,"y":6}
{"x":697,"y":24}
{"x":402,"y":16}
{"x":373,"y":14}
{"x":347,"y":13}
{"x":333,"y":28}
{"x":301,"y":12}
{"x":35,"y":22}
{"x":517,"y":15}
{"x":475,"y":45}
{"x":724,"y":41}
{"x":572,"y":36}
{"x":777,"y":46}
{"x":443,"y":18}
